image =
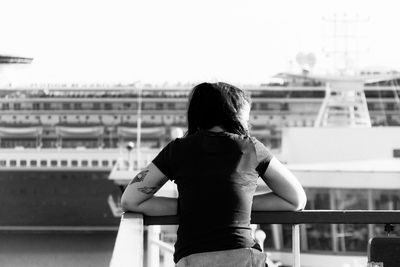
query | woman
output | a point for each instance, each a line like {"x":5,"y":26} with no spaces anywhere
{"x":216,"y":167}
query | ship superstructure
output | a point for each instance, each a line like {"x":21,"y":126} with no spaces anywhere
{"x":347,"y":161}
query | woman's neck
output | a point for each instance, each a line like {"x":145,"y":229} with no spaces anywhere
{"x":216,"y":129}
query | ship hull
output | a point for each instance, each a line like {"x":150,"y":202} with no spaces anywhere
{"x":57,"y":198}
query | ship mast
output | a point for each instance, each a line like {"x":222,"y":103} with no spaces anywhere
{"x":139,"y":127}
{"x":345,"y":104}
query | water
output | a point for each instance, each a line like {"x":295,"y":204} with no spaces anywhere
{"x":56,"y":249}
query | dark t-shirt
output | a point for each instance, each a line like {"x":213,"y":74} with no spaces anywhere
{"x":216,"y":175}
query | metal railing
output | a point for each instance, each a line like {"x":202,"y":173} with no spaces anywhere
{"x":129,"y":245}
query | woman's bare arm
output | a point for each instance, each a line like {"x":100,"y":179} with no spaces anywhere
{"x":287,"y":192}
{"x":139,"y":194}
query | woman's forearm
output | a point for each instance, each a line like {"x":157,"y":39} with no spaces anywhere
{"x":270,"y":201}
{"x":155,"y":206}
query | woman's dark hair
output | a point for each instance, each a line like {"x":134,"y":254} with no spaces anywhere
{"x":216,"y":104}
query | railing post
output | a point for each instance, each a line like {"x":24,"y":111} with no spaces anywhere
{"x":277,"y":235}
{"x":128,"y":249}
{"x":296,"y":245}
{"x":152,"y":250}
{"x":167,"y":251}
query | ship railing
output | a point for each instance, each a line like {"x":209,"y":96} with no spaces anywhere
{"x":133,"y":246}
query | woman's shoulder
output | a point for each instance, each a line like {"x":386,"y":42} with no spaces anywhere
{"x":248,"y":139}
{"x":182,"y":141}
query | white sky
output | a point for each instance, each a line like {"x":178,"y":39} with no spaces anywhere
{"x":172,"y":41}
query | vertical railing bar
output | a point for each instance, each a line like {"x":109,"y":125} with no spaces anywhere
{"x":370,"y":207}
{"x":296,"y":245}
{"x":128,"y":248}
{"x":153,"y":250}
{"x":332,"y":203}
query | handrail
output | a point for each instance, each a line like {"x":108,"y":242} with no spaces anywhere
{"x":302,"y":217}
{"x":127,"y":240}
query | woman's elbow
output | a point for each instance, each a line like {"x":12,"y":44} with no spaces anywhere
{"x":301,"y":202}
{"x":128,"y":205}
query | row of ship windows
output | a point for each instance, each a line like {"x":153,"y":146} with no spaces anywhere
{"x":383,"y":106}
{"x":159,"y":120}
{"x":126,"y":106}
{"x":56,"y":163}
{"x":115,"y":117}
{"x":93,"y":106}
{"x":377,"y":118}
{"x":318,"y":93}
{"x":162,"y":106}
{"x":162,"y":93}
{"x":98,"y":94}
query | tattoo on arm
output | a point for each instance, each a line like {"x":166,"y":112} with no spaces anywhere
{"x":139,"y":177}
{"x":148,"y":190}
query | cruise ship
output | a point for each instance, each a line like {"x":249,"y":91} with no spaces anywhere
{"x":67,"y":150}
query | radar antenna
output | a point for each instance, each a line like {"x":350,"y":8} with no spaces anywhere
{"x":345,"y":103}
